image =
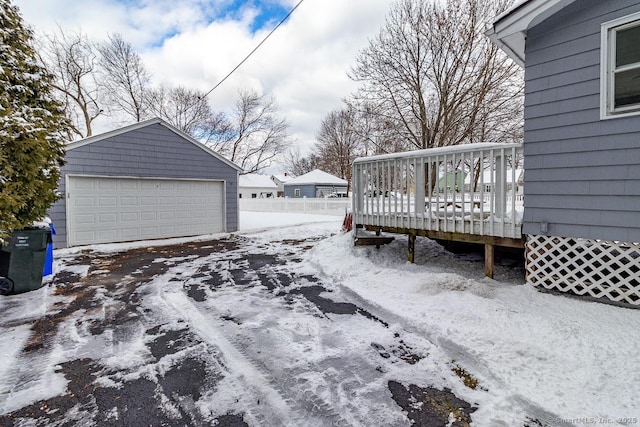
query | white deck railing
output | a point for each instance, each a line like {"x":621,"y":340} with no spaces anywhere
{"x":469,"y":189}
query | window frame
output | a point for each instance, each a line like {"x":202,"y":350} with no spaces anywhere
{"x":296,"y":192}
{"x":608,"y":67}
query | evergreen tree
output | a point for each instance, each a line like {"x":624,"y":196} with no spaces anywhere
{"x":32,"y":128}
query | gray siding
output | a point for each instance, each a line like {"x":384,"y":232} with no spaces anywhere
{"x":311,"y":190}
{"x":306,"y":190}
{"x":152,"y":151}
{"x":582,"y":173}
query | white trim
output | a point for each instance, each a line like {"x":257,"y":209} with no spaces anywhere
{"x":607,"y":65}
{"x":161,"y":178}
{"x":509,"y":30}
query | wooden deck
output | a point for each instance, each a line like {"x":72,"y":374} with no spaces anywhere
{"x":467,"y":193}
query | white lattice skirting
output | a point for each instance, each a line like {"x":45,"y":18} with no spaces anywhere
{"x":601,"y":269}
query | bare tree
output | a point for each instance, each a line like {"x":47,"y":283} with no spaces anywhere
{"x":184,"y":108}
{"x":378,"y":134}
{"x":297,"y":165}
{"x":338,"y":144}
{"x":71,"y":58}
{"x":435,"y":79}
{"x":124,"y":77}
{"x":259,"y":134}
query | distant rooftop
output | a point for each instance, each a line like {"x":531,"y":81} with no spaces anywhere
{"x":317,"y":177}
{"x":256,"y":181}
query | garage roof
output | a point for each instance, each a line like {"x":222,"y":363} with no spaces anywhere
{"x":509,"y":30}
{"x":317,"y":177}
{"x":256,"y":181}
{"x":143,"y":124}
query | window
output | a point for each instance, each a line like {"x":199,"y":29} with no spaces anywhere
{"x":254,"y":195}
{"x":296,"y":192}
{"x":620,"y":67}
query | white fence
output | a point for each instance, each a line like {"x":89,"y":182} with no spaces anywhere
{"x":427,"y":190}
{"x":310,"y":206}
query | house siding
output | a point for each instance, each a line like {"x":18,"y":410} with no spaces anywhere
{"x":306,"y":190}
{"x":151,"y":151}
{"x":311,"y":190}
{"x":582,"y":173}
{"x":260,"y":192}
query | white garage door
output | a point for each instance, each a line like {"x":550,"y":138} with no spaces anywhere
{"x":106,"y":209}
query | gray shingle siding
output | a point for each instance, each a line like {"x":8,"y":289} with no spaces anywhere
{"x":311,"y":190}
{"x":582,"y":173}
{"x":306,"y":190}
{"x":151,"y":151}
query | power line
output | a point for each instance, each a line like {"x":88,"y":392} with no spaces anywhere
{"x":253,"y":51}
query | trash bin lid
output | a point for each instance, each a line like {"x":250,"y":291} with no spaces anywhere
{"x":29,"y":239}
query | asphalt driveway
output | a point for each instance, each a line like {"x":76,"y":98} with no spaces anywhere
{"x":229,"y":332}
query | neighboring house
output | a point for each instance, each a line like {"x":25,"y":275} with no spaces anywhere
{"x":452,"y":181}
{"x":144,"y":181}
{"x":279,"y":180}
{"x":487,"y":180}
{"x":254,"y":186}
{"x":581,"y":142}
{"x":315,"y":184}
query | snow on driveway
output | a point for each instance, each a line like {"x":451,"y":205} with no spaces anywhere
{"x":286,"y":323}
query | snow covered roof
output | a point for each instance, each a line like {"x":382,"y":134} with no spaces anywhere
{"x":282,"y":177}
{"x":143,"y":124}
{"x":509,"y":30}
{"x":317,"y":177}
{"x":254,"y":180}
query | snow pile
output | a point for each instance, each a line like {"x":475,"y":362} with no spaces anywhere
{"x":559,"y":357}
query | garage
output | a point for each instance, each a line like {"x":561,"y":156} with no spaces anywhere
{"x":107,"y":209}
{"x":145,"y":181}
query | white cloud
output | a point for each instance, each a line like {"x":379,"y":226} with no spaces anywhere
{"x":303,"y":65}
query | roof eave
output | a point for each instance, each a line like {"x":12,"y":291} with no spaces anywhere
{"x":509,"y":30}
{"x":115,"y":132}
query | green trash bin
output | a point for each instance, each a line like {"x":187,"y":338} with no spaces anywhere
{"x":27,"y":250}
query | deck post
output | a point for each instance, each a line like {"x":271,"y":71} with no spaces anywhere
{"x":500,"y":186}
{"x":412,"y":248}
{"x":488,"y":260}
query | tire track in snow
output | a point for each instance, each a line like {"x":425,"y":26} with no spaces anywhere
{"x":247,"y":377}
{"x":249,"y":371}
{"x":315,"y":404}
{"x":259,"y":270}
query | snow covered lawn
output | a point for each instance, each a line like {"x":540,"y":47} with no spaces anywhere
{"x":287,"y":323}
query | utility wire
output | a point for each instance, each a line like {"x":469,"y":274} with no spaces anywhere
{"x":253,"y":51}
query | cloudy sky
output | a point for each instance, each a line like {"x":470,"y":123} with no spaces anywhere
{"x":196,"y":43}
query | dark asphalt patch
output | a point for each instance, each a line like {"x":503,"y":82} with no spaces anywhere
{"x":214,"y":280}
{"x":185,"y":379}
{"x":170,"y":342}
{"x":196,"y":292}
{"x":230,"y":420}
{"x":328,"y":306}
{"x":430,"y":407}
{"x":124,"y":406}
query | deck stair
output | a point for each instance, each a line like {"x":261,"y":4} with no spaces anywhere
{"x":363,"y":237}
